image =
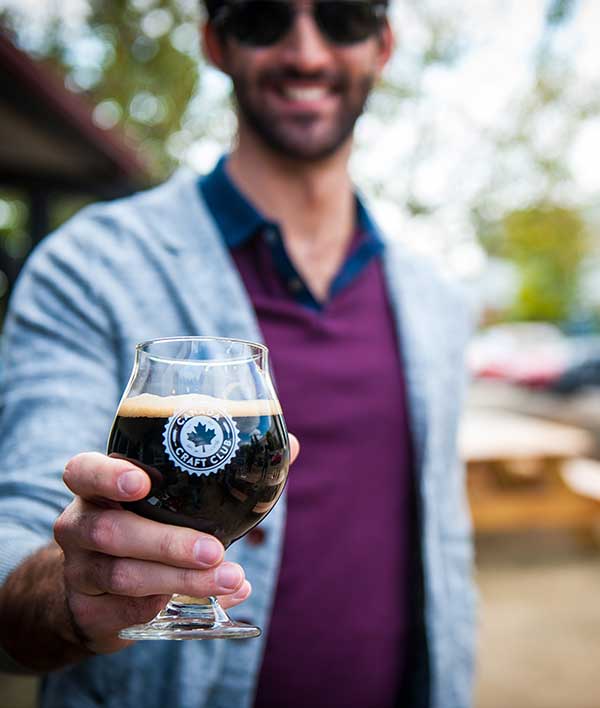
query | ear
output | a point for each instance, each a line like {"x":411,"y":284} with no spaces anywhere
{"x":213,"y":46}
{"x":385,"y":45}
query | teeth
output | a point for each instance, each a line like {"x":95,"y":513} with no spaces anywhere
{"x":304,"y":94}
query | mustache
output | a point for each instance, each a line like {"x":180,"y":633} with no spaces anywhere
{"x":336,"y":80}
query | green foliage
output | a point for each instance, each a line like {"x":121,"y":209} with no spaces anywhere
{"x":14,"y":239}
{"x":146,"y":81}
{"x":135,"y":60}
{"x":548,"y":244}
{"x":138,"y":62}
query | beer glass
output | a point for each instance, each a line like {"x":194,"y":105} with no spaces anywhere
{"x":201,"y":417}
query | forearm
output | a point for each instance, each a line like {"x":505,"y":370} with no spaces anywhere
{"x":36,"y":628}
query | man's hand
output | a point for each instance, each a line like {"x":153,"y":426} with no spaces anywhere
{"x":120,"y":568}
{"x":110,"y":569}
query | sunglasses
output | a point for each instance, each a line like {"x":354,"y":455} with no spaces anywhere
{"x":262,"y":23}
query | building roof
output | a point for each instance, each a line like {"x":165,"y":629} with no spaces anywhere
{"x":48,"y":137}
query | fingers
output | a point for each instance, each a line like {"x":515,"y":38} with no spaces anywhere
{"x":294,"y":447}
{"x":91,"y":475}
{"x":101,"y":618}
{"x":120,"y":568}
{"x":97,"y":574}
{"x":120,"y":533}
{"x":243,"y":593}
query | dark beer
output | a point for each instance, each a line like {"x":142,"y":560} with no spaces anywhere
{"x":216,"y":466}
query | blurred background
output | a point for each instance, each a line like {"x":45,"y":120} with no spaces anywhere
{"x":478,"y":150}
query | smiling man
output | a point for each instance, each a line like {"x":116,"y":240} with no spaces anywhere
{"x":300,"y":101}
{"x":362,"y":573}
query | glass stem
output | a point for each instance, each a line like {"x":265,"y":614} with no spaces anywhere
{"x":220,"y":615}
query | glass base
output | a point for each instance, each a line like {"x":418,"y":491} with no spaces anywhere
{"x":188,"y":629}
{"x":191,"y":620}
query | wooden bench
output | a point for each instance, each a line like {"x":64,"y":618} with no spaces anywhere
{"x":526,"y":473}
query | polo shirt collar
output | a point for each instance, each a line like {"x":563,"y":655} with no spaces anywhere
{"x":238,"y":220}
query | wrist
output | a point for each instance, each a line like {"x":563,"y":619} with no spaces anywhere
{"x":36,"y":632}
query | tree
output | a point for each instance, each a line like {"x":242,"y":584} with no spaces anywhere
{"x":148,"y":71}
{"x":435,"y":165}
{"x":136,"y":60}
{"x":548,"y":244}
{"x":136,"y":63}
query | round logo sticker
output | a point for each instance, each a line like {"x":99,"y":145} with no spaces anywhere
{"x":200,"y":443}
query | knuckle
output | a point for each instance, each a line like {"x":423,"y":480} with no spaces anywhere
{"x":103,"y":478}
{"x":65,"y":522}
{"x":103,"y":529}
{"x":93,"y":572}
{"x":189,"y":580}
{"x":168,"y":545}
{"x":72,"y":467}
{"x":60,"y":529}
{"x":120,"y":579}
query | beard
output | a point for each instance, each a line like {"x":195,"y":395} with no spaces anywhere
{"x":302,"y":137}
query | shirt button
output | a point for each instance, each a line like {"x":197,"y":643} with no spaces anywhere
{"x":256,"y":537}
{"x":295,"y":285}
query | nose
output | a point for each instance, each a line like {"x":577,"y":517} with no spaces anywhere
{"x":304,"y":46}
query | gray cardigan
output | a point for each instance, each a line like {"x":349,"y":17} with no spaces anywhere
{"x":154,"y":265}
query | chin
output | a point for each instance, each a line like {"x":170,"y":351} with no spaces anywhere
{"x":305,"y":147}
{"x":310,"y":155}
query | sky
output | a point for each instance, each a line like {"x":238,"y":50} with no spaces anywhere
{"x":439,"y":151}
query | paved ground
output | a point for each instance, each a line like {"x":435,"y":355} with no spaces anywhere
{"x":540,"y":626}
{"x":540,"y":623}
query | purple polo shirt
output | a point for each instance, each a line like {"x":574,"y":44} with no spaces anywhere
{"x":340,"y":623}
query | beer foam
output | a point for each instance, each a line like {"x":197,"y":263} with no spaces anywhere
{"x":149,"y":405}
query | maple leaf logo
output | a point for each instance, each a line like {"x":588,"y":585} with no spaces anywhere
{"x":201,"y":436}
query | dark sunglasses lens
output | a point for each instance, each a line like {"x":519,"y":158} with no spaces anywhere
{"x":347,"y":21}
{"x":259,"y":23}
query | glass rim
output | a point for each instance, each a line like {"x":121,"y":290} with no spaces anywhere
{"x":262,"y":350}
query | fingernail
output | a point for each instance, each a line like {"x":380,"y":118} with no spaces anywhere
{"x":229,"y":576}
{"x":207,"y":551}
{"x":131,"y":482}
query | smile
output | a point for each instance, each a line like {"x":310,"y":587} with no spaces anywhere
{"x":312,"y":93}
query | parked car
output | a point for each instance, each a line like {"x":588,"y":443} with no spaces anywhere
{"x":525,"y":353}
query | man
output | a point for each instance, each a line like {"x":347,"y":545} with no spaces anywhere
{"x":361,"y":575}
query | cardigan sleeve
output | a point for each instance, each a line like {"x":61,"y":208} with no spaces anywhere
{"x":60,"y":385}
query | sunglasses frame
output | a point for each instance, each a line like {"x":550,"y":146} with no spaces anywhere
{"x":226,"y":12}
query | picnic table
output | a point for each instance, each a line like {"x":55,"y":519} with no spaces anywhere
{"x":521,"y":474}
